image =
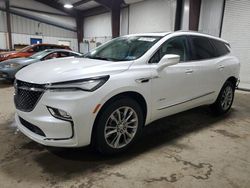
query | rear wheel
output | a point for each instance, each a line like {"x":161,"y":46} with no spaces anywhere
{"x":225,"y":99}
{"x":119,"y":125}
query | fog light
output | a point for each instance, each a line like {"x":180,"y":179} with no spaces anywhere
{"x":60,"y":114}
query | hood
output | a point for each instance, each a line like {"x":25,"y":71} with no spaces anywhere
{"x":21,"y":61}
{"x":67,"y":69}
{"x":5,"y":55}
{"x":8,"y":53}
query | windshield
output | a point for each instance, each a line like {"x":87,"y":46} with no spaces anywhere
{"x":124,"y":48}
{"x":39,"y":55}
{"x":25,"y":49}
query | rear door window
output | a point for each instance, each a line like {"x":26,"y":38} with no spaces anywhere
{"x":202,"y":48}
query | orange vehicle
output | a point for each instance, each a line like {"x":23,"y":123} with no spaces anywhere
{"x":30,"y":50}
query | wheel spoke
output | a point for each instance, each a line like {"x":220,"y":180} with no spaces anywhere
{"x":110,"y":127}
{"x":114,"y":118}
{"x":125,"y":138}
{"x":130,"y":114}
{"x":131,"y":121}
{"x":131,"y":127}
{"x":117,"y":141}
{"x":125,"y":113}
{"x":111,"y":132}
{"x":119,"y":115}
{"x":114,"y":139}
{"x":128,"y":134}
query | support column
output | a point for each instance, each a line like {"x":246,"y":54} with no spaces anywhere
{"x":115,"y":19}
{"x":194,"y":14}
{"x":7,"y":6}
{"x":79,"y":30}
{"x":178,"y":14}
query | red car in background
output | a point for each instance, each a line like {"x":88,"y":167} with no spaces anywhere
{"x":30,"y":50}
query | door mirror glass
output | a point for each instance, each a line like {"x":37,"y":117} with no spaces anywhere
{"x":168,"y":60}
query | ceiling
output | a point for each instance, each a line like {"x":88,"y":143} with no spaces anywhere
{"x":80,"y":4}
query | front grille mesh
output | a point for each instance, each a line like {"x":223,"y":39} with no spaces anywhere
{"x":27,"y":95}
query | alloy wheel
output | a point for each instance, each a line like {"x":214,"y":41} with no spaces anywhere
{"x":121,"y":127}
{"x":227,"y":98}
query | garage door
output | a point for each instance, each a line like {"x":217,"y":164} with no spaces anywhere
{"x":152,"y":16}
{"x":236,"y":30}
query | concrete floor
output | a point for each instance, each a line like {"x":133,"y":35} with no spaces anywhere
{"x":191,"y":149}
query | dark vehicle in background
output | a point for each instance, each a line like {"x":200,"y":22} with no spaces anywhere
{"x":9,"y":68}
{"x":30,"y":50}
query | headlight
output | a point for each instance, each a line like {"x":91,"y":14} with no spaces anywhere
{"x":90,"y":84}
{"x":11,"y":65}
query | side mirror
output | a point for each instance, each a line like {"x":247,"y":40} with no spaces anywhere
{"x":168,"y":60}
{"x":31,"y":50}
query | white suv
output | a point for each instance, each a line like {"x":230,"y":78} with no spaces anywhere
{"x":108,"y":96}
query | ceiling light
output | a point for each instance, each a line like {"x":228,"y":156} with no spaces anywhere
{"x":68,"y":6}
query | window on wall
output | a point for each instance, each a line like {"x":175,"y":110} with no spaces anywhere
{"x":177,"y":46}
{"x":35,"y":41}
{"x":64,"y":42}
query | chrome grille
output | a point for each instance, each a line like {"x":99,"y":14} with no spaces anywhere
{"x":27,"y":95}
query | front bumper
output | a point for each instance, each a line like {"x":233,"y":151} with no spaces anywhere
{"x":57,"y":132}
{"x":6,"y":74}
{"x":43,"y":140}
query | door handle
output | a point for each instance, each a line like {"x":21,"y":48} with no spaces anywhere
{"x":189,"y":71}
{"x":221,"y":67}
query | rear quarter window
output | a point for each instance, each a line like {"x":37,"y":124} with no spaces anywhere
{"x":202,"y":48}
{"x":220,"y":47}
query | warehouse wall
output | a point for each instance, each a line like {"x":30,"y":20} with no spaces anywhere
{"x":210,"y":21}
{"x":23,"y":29}
{"x":139,"y":17}
{"x":185,"y":15}
{"x":152,"y":16}
{"x":3,"y":25}
{"x":98,"y":27}
{"x":31,"y":4}
{"x":97,"y":30}
{"x":124,"y":19}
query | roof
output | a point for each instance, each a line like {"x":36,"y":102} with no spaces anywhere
{"x":200,"y":34}
{"x":61,"y":50}
{"x":160,"y":34}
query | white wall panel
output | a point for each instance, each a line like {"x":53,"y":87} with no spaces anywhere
{"x":3,"y":40}
{"x":185,"y":15}
{"x":27,"y":26}
{"x":25,"y":39}
{"x":210,"y":16}
{"x":3,"y":25}
{"x":31,"y":4}
{"x":235,"y":29}
{"x":97,"y":29}
{"x":98,"y":26}
{"x":124,"y":21}
{"x":152,"y":16}
{"x":57,"y":20}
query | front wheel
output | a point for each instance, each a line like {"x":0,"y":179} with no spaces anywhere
{"x":225,"y":99}
{"x":118,"y":126}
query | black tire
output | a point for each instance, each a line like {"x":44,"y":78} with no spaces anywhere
{"x":101,"y":141}
{"x":217,"y":107}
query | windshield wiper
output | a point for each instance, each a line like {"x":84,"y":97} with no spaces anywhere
{"x":100,"y":58}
